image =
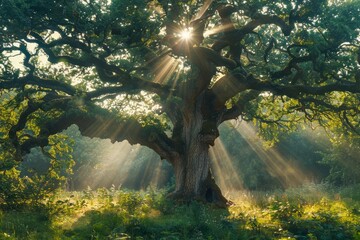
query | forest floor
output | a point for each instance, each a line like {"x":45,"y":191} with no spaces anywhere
{"x":310,"y":212}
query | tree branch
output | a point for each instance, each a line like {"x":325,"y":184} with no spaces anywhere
{"x":233,"y":83}
{"x":106,"y":72}
{"x":95,"y":122}
{"x":206,"y":60}
{"x":109,"y":90}
{"x":36,"y":81}
{"x":240,"y":106}
{"x":110,"y":127}
{"x":230,"y":85}
{"x":236,"y":35}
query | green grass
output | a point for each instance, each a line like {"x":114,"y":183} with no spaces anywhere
{"x":311,"y":212}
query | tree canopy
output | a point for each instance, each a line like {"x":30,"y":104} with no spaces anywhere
{"x":166,"y":73}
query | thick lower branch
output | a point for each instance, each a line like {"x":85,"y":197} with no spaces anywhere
{"x":230,"y":85}
{"x":234,"y":83}
{"x":95,"y":122}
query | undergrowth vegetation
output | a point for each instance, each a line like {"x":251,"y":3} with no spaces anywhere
{"x":311,"y":212}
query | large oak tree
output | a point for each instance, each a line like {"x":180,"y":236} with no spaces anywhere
{"x":165,"y":74}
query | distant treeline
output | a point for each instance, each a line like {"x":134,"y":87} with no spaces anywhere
{"x":297,"y":158}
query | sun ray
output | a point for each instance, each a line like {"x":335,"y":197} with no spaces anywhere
{"x":145,"y":176}
{"x":112,"y":168}
{"x":277,"y":165}
{"x":224,"y":170}
{"x":156,"y":176}
{"x":186,"y":34}
{"x":217,"y":29}
{"x":164,"y":69}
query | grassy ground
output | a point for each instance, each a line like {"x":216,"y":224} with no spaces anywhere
{"x":310,"y":212}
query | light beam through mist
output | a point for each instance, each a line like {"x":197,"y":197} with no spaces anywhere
{"x":113,"y":167}
{"x":277,"y":165}
{"x":223,"y":169}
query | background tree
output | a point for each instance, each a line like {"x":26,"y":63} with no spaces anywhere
{"x":296,"y":159}
{"x":165,"y":74}
{"x":343,"y":160}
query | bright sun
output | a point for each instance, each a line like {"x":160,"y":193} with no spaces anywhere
{"x":186,"y":34}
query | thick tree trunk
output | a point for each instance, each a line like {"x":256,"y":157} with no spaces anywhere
{"x":194,"y":180}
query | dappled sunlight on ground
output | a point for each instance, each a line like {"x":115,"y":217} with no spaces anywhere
{"x":119,"y":214}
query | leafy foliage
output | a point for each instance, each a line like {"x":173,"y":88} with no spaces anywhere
{"x":120,"y":70}
{"x":343,"y":159}
{"x":104,"y":214}
{"x":22,"y":183}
